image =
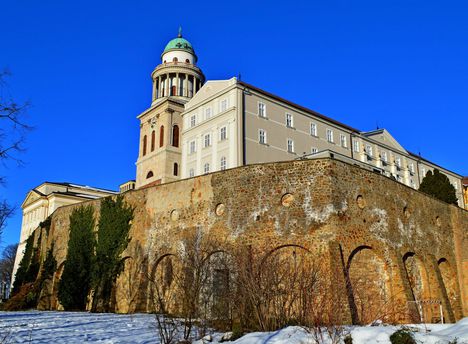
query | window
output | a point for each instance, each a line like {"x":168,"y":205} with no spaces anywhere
{"x":153,"y":139}
{"x":161,"y":136}
{"x":398,"y":162}
{"x":262,"y":138}
{"x":356,"y":146}
{"x":207,"y":140}
{"x":261,"y":110}
{"x":207,"y":113}
{"x":144,"y":145}
{"x":206,"y":168}
{"x":369,"y":151}
{"x":290,"y":146}
{"x":411,"y":168}
{"x":289,"y":120}
{"x":187,"y":61}
{"x":223,"y":163}
{"x":314,"y":150}
{"x":175,"y":59}
{"x":330,"y":135}
{"x":223,"y":105}
{"x":175,"y":135}
{"x":192,"y":147}
{"x":343,"y":141}
{"x":383,"y":157}
{"x":223,"y":133}
{"x":176,"y":169}
{"x":191,"y":173}
{"x":149,"y":175}
{"x":193,"y":120}
{"x":313,"y":129}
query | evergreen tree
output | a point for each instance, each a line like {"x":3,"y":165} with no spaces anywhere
{"x":438,"y":185}
{"x":75,"y":283}
{"x":112,"y":239}
{"x":29,"y":266}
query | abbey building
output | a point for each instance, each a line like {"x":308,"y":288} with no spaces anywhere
{"x":195,"y":127}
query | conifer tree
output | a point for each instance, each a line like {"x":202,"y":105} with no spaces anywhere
{"x":438,"y":185}
{"x":75,"y":283}
{"x":112,"y":239}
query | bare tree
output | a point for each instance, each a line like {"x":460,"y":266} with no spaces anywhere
{"x":8,"y":261}
{"x":13,"y":129}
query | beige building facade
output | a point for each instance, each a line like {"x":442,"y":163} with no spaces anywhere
{"x":247,"y":125}
{"x":43,"y":200}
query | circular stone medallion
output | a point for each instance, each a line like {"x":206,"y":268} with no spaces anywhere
{"x":220,"y":209}
{"x":287,"y":200}
{"x":174,"y":215}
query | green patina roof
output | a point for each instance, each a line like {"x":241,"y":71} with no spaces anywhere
{"x":179,"y":43}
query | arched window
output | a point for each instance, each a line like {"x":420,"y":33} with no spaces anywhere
{"x":144,"y":145}
{"x":161,"y":136}
{"x":187,"y":61}
{"x":153,"y":139}
{"x":149,"y":175}
{"x":175,"y":135}
{"x":175,"y":59}
{"x":176,"y":169}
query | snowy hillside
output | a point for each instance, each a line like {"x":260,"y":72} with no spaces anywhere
{"x":67,"y":327}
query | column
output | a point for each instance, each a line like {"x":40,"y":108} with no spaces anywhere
{"x":159,"y":87}
{"x":166,"y":87}
{"x":177,"y":85}
{"x":186,"y":86}
{"x":154,"y":89}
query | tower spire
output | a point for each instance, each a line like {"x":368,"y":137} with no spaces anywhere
{"x":180,"y":32}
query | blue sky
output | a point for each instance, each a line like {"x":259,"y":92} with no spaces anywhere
{"x":86,"y":65}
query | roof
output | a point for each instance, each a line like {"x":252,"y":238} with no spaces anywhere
{"x":79,"y":186}
{"x":179,"y":43}
{"x":297,"y":106}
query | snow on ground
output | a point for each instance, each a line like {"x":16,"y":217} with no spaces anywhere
{"x":81,"y":327}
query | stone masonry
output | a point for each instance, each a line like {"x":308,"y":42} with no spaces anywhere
{"x":386,"y":243}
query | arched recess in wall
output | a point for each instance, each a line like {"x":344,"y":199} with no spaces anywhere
{"x":367,"y":283}
{"x":161,"y":136}
{"x":176,"y":169}
{"x":153,"y":140}
{"x":289,"y":282}
{"x":149,"y":175}
{"x":215,"y":296}
{"x":165,"y":280}
{"x":55,"y":304}
{"x":175,"y":135}
{"x":449,"y":279}
{"x":418,"y":281}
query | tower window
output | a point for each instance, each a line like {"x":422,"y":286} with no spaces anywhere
{"x":176,"y":169}
{"x":187,"y":61}
{"x":175,"y":135}
{"x":175,"y":59}
{"x":161,"y":136}
{"x":144,"y":145}
{"x":153,"y":138}
{"x":149,"y":175}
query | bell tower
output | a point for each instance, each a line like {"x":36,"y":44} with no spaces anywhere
{"x":175,"y":81}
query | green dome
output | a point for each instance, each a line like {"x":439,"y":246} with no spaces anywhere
{"x":179,"y":43}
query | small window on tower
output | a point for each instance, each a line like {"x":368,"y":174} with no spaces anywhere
{"x":175,"y":59}
{"x":187,"y":61}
